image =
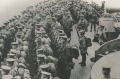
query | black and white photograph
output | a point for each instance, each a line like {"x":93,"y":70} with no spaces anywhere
{"x":59,"y":39}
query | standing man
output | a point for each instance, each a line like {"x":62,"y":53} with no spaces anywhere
{"x":83,"y":47}
{"x":93,"y":22}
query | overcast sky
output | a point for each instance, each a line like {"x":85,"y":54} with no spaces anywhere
{"x":9,"y":8}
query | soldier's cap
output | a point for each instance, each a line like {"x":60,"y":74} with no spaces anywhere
{"x":3,"y":25}
{"x":39,"y":32}
{"x":10,"y":60}
{"x":60,"y":31}
{"x":14,"y":43}
{"x":13,"y":51}
{"x":6,"y":68}
{"x":43,"y":32}
{"x":82,"y":15}
{"x":41,"y":56}
{"x":7,"y":77}
{"x":64,"y":37}
{"x":17,"y":77}
{"x":38,"y":25}
{"x":56,"y":78}
{"x":44,"y":66}
{"x":19,"y":27}
{"x":10,"y":54}
{"x":54,"y":19}
{"x":21,"y":65}
{"x":61,"y":34}
{"x":45,"y":35}
{"x":39,"y":50}
{"x":46,"y":73}
{"x":82,"y":31}
{"x":19,"y":34}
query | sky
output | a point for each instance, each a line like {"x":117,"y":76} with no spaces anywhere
{"x":10,"y":8}
{"x":109,"y":3}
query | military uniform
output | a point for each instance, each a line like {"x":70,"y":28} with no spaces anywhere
{"x":83,"y":47}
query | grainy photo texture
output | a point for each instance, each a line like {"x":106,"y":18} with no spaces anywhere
{"x":59,"y":39}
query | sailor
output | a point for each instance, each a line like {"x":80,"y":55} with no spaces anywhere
{"x":83,"y":47}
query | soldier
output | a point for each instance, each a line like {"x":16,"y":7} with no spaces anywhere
{"x":102,"y":35}
{"x":5,"y":70}
{"x":39,"y":51}
{"x":44,"y":68}
{"x":41,"y":59}
{"x":93,"y":22}
{"x":14,"y":49}
{"x":46,"y":75}
{"x":21,"y":68}
{"x":83,"y":47}
{"x":82,"y":24}
{"x":46,"y":40}
{"x":7,"y":77}
{"x":20,"y":30}
{"x":10,"y":62}
{"x":11,"y":55}
{"x":69,"y":24}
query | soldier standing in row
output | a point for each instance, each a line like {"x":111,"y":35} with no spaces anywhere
{"x":83,"y":47}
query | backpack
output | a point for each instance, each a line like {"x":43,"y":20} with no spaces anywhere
{"x":88,"y":42}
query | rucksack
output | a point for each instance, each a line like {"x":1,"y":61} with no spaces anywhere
{"x":88,"y":42}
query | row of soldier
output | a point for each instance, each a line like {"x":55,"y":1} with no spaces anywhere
{"x":42,"y":35}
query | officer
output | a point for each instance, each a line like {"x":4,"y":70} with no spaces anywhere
{"x":83,"y":47}
{"x":11,"y":55}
